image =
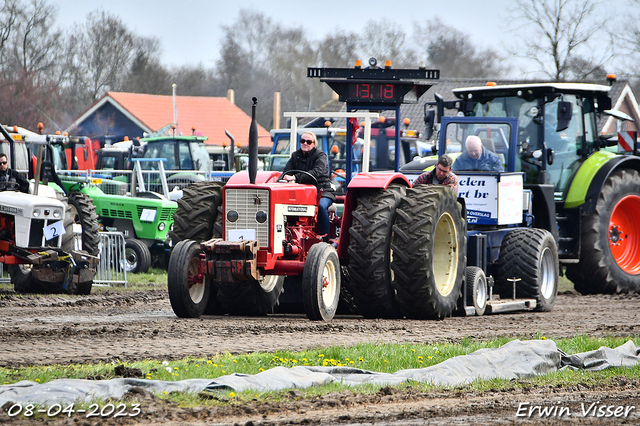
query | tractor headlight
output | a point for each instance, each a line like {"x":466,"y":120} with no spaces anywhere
{"x":161,"y":226}
{"x":36,"y":212}
{"x":57,"y":214}
{"x":232,"y":215}
{"x":261,"y":216}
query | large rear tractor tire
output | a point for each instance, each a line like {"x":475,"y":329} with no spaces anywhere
{"x":370,"y":252}
{"x":429,"y":252}
{"x":137,"y":257}
{"x":610,"y":239}
{"x":188,"y":289}
{"x":321,"y":282}
{"x":197,"y":212}
{"x":532,"y":256}
{"x":250,"y":298}
{"x":79,"y":210}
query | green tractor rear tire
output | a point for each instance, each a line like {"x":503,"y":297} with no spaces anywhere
{"x":610,"y":239}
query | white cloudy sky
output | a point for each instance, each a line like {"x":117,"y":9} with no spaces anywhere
{"x":190,"y":29}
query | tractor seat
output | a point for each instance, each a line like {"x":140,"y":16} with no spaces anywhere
{"x":487,"y":143}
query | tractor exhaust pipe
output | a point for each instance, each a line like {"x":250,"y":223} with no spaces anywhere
{"x":253,"y":144}
{"x":232,"y":149}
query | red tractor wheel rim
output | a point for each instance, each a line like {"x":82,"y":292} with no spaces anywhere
{"x":624,"y":234}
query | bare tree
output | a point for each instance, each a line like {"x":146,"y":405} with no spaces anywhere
{"x":260,"y":58}
{"x":33,"y":47}
{"x":452,"y":52}
{"x":29,"y":52}
{"x":385,"y":40}
{"x":104,"y":54}
{"x":8,"y":16}
{"x":194,"y":80}
{"x":559,"y":34}
{"x":337,"y":49}
{"x":146,"y":74}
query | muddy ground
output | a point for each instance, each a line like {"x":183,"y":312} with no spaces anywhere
{"x":141,"y":325}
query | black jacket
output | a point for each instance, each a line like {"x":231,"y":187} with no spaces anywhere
{"x":13,"y":176}
{"x":314,"y":162}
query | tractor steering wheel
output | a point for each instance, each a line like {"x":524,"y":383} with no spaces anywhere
{"x":9,"y":186}
{"x":288,"y":172}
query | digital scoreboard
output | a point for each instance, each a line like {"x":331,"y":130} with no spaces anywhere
{"x":376,"y":86}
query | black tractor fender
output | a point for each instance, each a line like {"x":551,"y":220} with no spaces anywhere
{"x":544,"y":207}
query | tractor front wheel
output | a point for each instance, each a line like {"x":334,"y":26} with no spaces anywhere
{"x":321,"y":282}
{"x":251,"y":298}
{"x":21,"y":278}
{"x":610,"y":246}
{"x":188,"y":288}
{"x":137,"y":257}
{"x":477,"y":289}
{"x":530,"y":255}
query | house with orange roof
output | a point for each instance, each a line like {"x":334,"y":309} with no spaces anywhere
{"x":134,"y":114}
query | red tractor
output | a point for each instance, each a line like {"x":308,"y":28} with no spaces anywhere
{"x":266,"y":231}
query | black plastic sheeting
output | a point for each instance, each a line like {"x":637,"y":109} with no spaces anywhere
{"x":514,"y":360}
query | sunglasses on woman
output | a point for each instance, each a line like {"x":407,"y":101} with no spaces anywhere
{"x":307,"y":141}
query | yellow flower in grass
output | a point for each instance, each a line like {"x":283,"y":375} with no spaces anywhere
{"x":209,"y":361}
{"x":232,"y":394}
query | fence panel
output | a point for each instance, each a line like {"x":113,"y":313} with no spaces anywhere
{"x":111,"y":269}
{"x":4,"y":275}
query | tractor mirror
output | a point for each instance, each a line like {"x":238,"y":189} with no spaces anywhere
{"x":565,"y":111}
{"x":429,"y":120}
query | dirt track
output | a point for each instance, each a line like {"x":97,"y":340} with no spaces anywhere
{"x":141,"y":325}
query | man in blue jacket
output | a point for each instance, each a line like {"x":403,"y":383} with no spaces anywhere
{"x":477,"y":158}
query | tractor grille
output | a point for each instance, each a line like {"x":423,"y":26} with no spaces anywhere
{"x":167,"y":214}
{"x":247,"y":202}
{"x":116,"y":213}
{"x":140,"y":208}
{"x":36,"y":234}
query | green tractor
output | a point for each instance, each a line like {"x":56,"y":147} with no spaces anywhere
{"x":144,"y":219}
{"x":584,"y":192}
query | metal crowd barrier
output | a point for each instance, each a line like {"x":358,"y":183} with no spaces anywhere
{"x":4,"y":275}
{"x":111,"y":269}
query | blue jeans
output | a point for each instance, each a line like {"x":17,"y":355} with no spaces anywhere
{"x":323,"y":215}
